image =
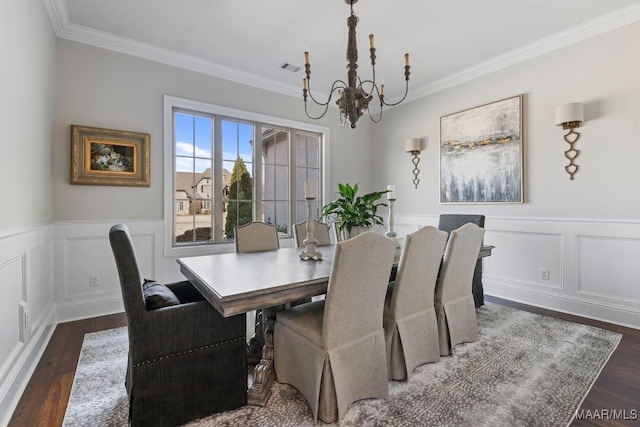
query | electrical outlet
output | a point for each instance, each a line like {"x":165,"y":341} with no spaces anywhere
{"x":544,"y":274}
{"x":25,"y":324}
{"x":94,"y":279}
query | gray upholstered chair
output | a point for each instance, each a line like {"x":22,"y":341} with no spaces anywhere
{"x":410,"y":324}
{"x":450,"y":222}
{"x":454,"y":305}
{"x":256,"y":236}
{"x":320,"y":233}
{"x":185,"y":360}
{"x":333,"y":351}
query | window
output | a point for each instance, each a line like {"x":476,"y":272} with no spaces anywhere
{"x":227,"y":167}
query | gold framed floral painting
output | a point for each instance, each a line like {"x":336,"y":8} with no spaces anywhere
{"x":109,"y":157}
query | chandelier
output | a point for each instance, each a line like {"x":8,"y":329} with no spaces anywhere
{"x":353,"y":98}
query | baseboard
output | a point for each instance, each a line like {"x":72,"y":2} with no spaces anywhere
{"x":623,"y":316}
{"x":16,"y":382}
{"x":87,"y":308}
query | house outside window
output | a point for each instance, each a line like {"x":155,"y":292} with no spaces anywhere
{"x":228,"y":167}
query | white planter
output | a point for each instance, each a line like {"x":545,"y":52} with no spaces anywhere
{"x":354,"y":232}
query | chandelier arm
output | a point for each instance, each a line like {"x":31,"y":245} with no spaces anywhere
{"x":333,"y":89}
{"x":379,"y":116}
{"x":326,"y":108}
{"x":373,"y":80}
{"x":406,"y":91}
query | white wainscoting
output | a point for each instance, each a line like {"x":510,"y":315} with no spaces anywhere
{"x":593,"y":264}
{"x":593,"y":272}
{"x":82,"y":251}
{"x":26,"y":278}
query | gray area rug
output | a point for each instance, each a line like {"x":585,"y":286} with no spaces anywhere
{"x":524,"y":370}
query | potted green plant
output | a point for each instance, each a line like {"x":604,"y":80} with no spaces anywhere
{"x":353,"y":213}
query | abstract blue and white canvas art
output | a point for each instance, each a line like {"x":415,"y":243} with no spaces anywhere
{"x":481,"y":154}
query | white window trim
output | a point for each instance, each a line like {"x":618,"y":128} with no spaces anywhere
{"x":171,"y":102}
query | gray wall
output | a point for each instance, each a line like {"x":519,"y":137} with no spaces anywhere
{"x":27,"y":69}
{"x":26,"y":112}
{"x":601,"y":72}
{"x":96,"y":87}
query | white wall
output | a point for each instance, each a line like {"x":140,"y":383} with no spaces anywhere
{"x":585,"y":231}
{"x":27,"y":68}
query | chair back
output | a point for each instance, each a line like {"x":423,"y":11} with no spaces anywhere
{"x":130,"y":281}
{"x":450,"y":222}
{"x":320,"y":233}
{"x":415,"y":281}
{"x":357,"y":288}
{"x":256,"y":236}
{"x":460,"y":257}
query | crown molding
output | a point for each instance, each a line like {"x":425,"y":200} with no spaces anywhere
{"x":63,"y":28}
{"x":58,"y":14}
{"x":594,"y":27}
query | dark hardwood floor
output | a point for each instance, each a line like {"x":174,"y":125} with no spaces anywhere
{"x":45,"y":398}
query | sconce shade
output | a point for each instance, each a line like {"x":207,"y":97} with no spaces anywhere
{"x":567,"y":113}
{"x":412,"y":144}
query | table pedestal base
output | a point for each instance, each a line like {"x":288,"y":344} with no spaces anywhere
{"x":263,"y":374}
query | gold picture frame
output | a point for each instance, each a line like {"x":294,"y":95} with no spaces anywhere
{"x":109,"y":157}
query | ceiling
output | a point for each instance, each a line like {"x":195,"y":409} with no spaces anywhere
{"x":247,"y":40}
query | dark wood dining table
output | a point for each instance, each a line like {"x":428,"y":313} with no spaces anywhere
{"x":236,"y":283}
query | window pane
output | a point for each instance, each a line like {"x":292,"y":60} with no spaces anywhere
{"x":282,"y":217}
{"x":307,"y":169}
{"x":313,"y":151}
{"x":203,"y":137}
{"x":301,"y":211}
{"x":268,"y":182}
{"x":192,"y":179}
{"x":184,"y":124}
{"x":269,"y":211}
{"x":275,"y":178}
{"x":237,"y":152}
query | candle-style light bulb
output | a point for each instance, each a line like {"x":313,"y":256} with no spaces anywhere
{"x":391,"y":192}
{"x":406,"y":59}
{"x":382,"y":89}
{"x":306,"y":58}
{"x":371,"y":41}
{"x":309,"y":190}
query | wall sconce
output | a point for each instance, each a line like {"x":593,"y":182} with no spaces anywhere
{"x":570,"y":116}
{"x":413,"y":146}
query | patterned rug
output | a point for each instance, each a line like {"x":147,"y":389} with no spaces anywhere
{"x":524,"y":370}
